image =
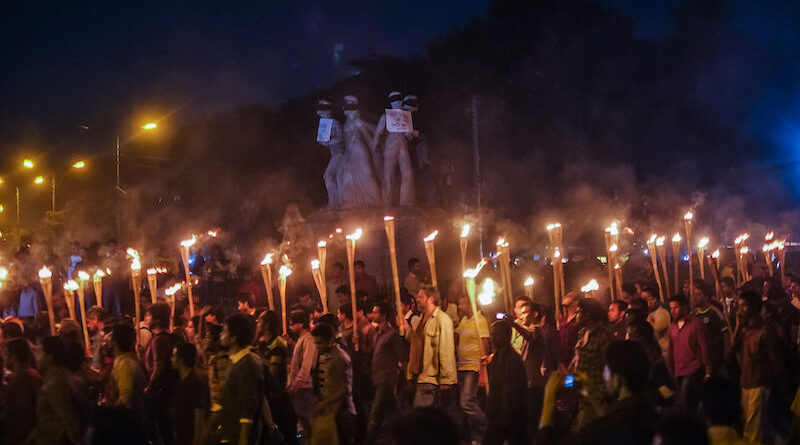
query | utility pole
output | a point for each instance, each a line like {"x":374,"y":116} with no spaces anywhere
{"x":117,"y":191}
{"x":477,"y":157}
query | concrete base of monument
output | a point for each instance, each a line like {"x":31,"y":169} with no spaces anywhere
{"x":412,"y":224}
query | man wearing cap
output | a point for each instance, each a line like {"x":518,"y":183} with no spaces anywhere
{"x":335,"y":143}
{"x":395,"y":154}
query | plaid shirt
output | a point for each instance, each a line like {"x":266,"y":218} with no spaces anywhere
{"x":590,"y":357}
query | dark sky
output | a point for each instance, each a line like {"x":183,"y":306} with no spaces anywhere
{"x":90,"y":62}
{"x":109,"y":64}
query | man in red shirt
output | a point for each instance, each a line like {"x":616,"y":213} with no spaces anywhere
{"x":688,"y":358}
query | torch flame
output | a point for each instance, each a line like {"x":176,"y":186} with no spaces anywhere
{"x":592,"y":285}
{"x":133,"y":253}
{"x":322,"y":244}
{"x":152,"y":271}
{"x":617,"y":266}
{"x":612,"y":229}
{"x":781,"y":244}
{"x":44,"y":272}
{"x":472,"y":273}
{"x":3,"y":273}
{"x":652,"y":239}
{"x":715,"y":255}
{"x":267,"y":259}
{"x":677,"y":238}
{"x":285,"y":271}
{"x":465,"y":230}
{"x":356,"y":235}
{"x":83,"y":276}
{"x":703,"y":243}
{"x":338,"y":230}
{"x":315,"y":264}
{"x":431,"y":237}
{"x":769,"y":236}
{"x":187,"y":243}
{"x":688,"y":216}
{"x":486,"y":295}
{"x":388,"y":218}
{"x":170,"y":291}
{"x":628,"y":230}
{"x":99,"y":274}
{"x":553,"y":226}
{"x":745,"y":250}
{"x":660,"y":241}
{"x":613,"y":248}
{"x":528,"y":282}
{"x":212,"y":233}
{"x":71,"y":286}
{"x":557,"y":253}
{"x":766,"y":248}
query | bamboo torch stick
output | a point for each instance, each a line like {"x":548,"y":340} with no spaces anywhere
{"x":469,"y":277}
{"x":169,"y":296}
{"x":46,"y":280}
{"x":152,"y":283}
{"x":136,"y":284}
{"x":713,"y":264}
{"x":661,"y":250}
{"x":617,"y":268}
{"x":431,"y":254}
{"x":504,"y":256}
{"x":84,"y":278}
{"x":316,"y":273}
{"x":769,"y":246}
{"x":651,"y":249}
{"x":528,"y":284}
{"x":609,"y":263}
{"x":556,"y":260}
{"x":676,"y":253}
{"x":591,"y":287}
{"x":388,"y":225}
{"x":97,"y":282}
{"x":687,"y":222}
{"x":782,"y":258}
{"x":744,"y":254}
{"x":69,"y":297}
{"x":351,"y":253}
{"x":701,"y":251}
{"x":185,"y":245}
{"x":463,"y":241}
{"x":322,"y":256}
{"x":283,"y":273}
{"x":266,"y":274}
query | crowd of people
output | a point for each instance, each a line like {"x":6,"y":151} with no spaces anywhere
{"x":698,"y":368}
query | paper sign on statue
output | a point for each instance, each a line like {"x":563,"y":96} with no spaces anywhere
{"x":324,"y":129}
{"x":398,"y":121}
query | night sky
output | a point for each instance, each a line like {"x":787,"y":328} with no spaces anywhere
{"x":109,"y":65}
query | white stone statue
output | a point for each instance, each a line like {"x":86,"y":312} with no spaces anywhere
{"x":330,"y":134}
{"x":395,"y":154}
{"x":357,"y":180}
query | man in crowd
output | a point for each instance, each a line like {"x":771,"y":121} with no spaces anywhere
{"x":506,"y":405}
{"x":568,"y":332}
{"x":588,"y":362}
{"x":431,"y":360}
{"x":161,"y":378}
{"x":387,"y":356}
{"x":472,"y":338}
{"x":659,"y":319}
{"x":756,"y":346}
{"x":61,"y":406}
{"x":333,"y":410}
{"x":95,"y":324}
{"x":246,"y":304}
{"x":688,"y":357}
{"x":616,"y":319}
{"x":717,"y":332}
{"x":18,"y":416}
{"x":530,"y":327}
{"x":415,"y":278}
{"x":191,"y":396}
{"x":364,"y":282}
{"x":127,"y":377}
{"x":242,"y":415}
{"x":729,"y":300}
{"x":304,"y":358}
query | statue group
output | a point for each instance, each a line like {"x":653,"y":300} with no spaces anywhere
{"x":365,"y":159}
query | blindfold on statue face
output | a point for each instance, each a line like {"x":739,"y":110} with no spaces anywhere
{"x":348,"y":107}
{"x":324,"y":107}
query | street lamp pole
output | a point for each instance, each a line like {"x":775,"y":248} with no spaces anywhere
{"x":18,"y":207}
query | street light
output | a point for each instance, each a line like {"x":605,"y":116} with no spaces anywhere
{"x":27,"y":164}
{"x":39,"y":180}
{"x":150,"y":126}
{"x":79,"y":164}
